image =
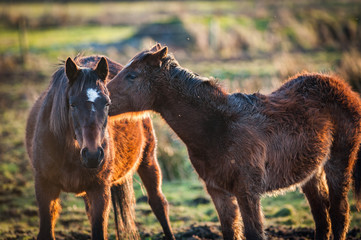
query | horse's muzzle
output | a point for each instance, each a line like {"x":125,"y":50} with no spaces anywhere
{"x":92,"y":159}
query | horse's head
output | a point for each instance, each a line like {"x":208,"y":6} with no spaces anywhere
{"x":88,"y":109}
{"x":133,"y":88}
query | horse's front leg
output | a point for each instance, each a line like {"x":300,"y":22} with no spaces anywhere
{"x":228,"y":212}
{"x":99,"y":203}
{"x":47,"y":196}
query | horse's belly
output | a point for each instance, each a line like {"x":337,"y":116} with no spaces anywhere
{"x":283,"y":180}
{"x":290,"y":174}
{"x":294,"y":158}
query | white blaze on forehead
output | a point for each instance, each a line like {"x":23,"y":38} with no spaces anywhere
{"x":92,"y":94}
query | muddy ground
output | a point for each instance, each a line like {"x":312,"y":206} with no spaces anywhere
{"x":208,"y":231}
{"x":213,"y":232}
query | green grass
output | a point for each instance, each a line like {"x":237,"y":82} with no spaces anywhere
{"x":88,"y":10}
{"x":58,"y":39}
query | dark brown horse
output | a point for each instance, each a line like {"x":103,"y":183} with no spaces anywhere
{"x":74,"y":147}
{"x":304,"y":134}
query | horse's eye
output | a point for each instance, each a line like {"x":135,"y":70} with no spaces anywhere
{"x":107,"y":104}
{"x":131,"y":76}
{"x":72,"y":105}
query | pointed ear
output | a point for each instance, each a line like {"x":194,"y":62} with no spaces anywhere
{"x":71,"y":70}
{"x":102,"y":68}
{"x":162,"y":53}
{"x":156,"y":47}
{"x":156,"y":58}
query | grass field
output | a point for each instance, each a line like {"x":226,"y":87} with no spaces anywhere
{"x":249,"y":46}
{"x":189,"y":205}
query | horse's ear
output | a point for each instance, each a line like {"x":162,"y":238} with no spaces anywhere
{"x":156,"y":58}
{"x":102,"y":68}
{"x":156,"y":47}
{"x":71,"y":70}
{"x":162,"y":53}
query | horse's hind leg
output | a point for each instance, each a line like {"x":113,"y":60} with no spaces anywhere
{"x":317,"y":195}
{"x":338,"y":173}
{"x":228,"y":212}
{"x":47,"y":196}
{"x":151,"y":176}
{"x":87,"y":206}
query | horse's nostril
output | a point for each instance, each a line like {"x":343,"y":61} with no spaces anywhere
{"x":92,"y":159}
{"x":101,"y":154}
{"x":84,"y":153}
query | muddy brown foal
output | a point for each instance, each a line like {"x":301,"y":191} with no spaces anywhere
{"x":306,"y":134}
{"x":74,"y":147}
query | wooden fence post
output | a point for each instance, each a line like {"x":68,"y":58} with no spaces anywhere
{"x":23,"y":43}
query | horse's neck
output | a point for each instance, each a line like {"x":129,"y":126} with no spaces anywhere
{"x":63,"y":142}
{"x":190,"y":115}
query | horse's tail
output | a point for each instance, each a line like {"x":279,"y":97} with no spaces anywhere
{"x":357,"y":181}
{"x":123,"y":199}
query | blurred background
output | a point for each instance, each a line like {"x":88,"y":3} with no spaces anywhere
{"x":248,"y":45}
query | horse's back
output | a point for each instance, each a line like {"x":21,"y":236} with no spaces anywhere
{"x":316,"y":100}
{"x":328,"y":91}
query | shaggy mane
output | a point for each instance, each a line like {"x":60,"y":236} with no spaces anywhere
{"x":205,"y":91}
